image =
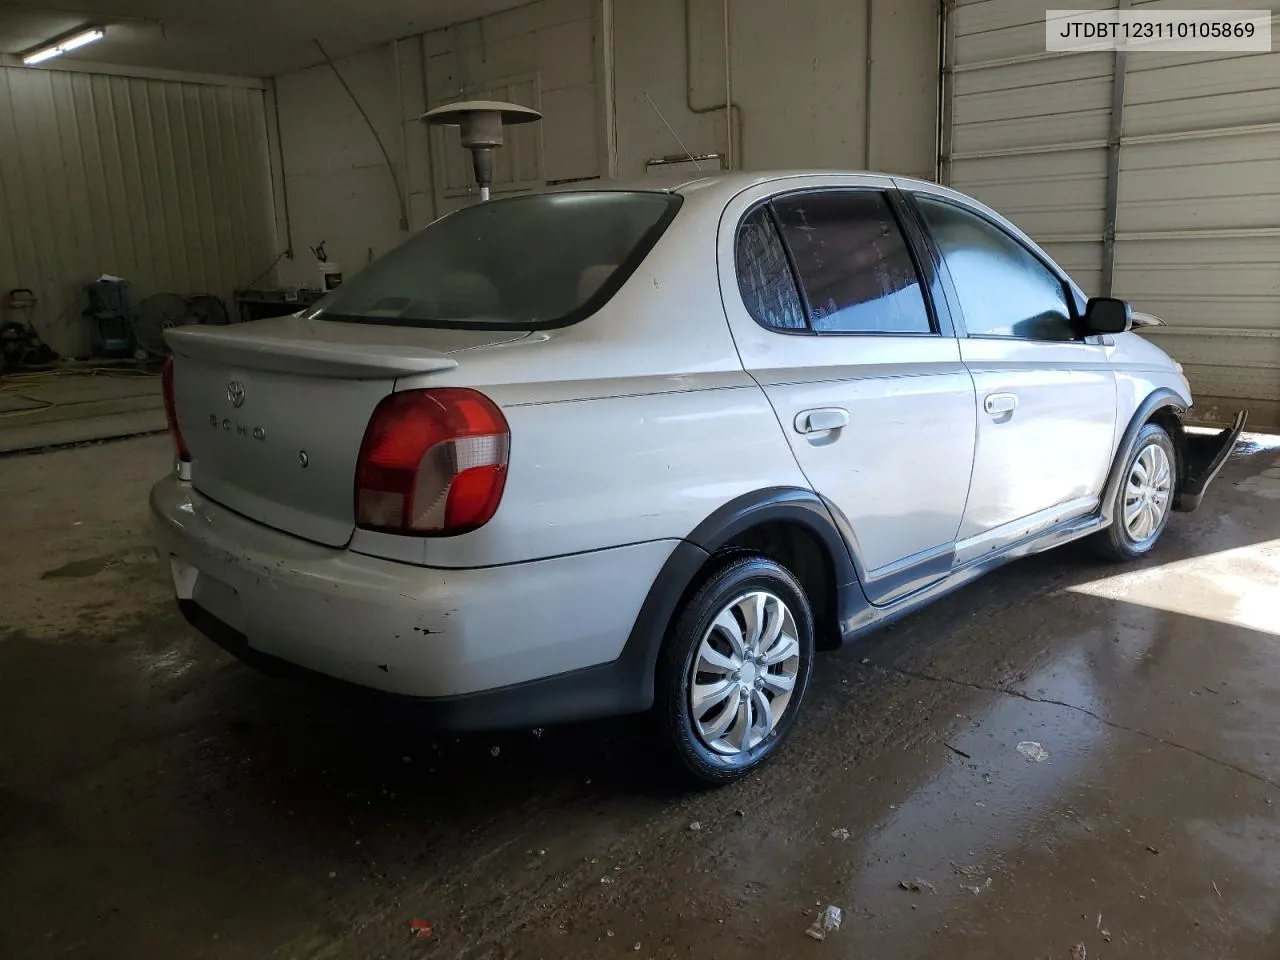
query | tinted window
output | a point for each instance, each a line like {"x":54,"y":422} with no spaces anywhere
{"x":523,"y":262}
{"x":1004,"y":289}
{"x":764,"y":276}
{"x":853,"y":263}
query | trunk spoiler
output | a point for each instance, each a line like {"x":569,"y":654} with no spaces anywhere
{"x":305,"y":355}
{"x":1203,"y":455}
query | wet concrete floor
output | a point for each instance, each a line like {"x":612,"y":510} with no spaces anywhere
{"x":158,"y":799}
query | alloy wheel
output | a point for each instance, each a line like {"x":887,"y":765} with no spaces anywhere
{"x":744,"y":672}
{"x":1147,"y":493}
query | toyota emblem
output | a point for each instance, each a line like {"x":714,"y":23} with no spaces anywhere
{"x":235,"y":393}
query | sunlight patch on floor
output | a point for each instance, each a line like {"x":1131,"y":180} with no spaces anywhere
{"x":1240,"y":586}
{"x":1250,"y":443}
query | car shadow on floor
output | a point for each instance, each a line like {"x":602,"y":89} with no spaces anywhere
{"x":289,"y":725}
{"x":179,"y":776}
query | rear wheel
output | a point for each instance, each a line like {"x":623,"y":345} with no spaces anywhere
{"x":1142,"y":504}
{"x":734,"y":669}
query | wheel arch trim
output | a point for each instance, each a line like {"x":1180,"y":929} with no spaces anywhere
{"x":678,"y":575}
{"x":778,"y":505}
{"x":1158,"y":400}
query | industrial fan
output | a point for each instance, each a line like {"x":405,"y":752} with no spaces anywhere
{"x":207,"y":308}
{"x":158,"y":313}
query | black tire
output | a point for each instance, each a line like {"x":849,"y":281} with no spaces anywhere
{"x":1116,"y":543}
{"x":734,"y":577}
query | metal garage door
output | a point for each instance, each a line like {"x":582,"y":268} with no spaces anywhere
{"x":166,"y":183}
{"x":1153,"y":174}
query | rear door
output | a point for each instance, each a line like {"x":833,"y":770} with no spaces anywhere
{"x":1046,"y":400}
{"x":866,"y":379}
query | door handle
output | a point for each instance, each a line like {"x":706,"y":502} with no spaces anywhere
{"x":821,"y":420}
{"x":998,"y":403}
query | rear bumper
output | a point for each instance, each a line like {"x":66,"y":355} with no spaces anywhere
{"x":1203,"y":456}
{"x":514,"y":645}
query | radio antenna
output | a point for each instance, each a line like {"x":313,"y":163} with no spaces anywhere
{"x":689,"y":153}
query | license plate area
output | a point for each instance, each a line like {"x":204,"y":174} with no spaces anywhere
{"x":209,"y":593}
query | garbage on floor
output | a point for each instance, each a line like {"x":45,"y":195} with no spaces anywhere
{"x":1033,"y":751}
{"x":828,"y":921}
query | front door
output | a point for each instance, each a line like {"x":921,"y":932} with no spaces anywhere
{"x":868,"y":385}
{"x":1046,"y":400}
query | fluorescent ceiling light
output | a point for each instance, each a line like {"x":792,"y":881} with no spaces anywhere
{"x":40,"y":56}
{"x":73,"y":42}
{"x":80,"y":39}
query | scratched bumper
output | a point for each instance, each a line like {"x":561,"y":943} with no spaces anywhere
{"x":394,"y":627}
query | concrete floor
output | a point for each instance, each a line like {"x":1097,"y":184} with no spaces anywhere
{"x":158,"y":799}
{"x":78,"y":403}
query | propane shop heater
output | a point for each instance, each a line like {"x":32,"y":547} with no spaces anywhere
{"x":481,"y":123}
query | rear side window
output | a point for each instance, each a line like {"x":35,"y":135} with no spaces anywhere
{"x":853,"y":262}
{"x":764,"y":276}
{"x":1004,"y":289}
{"x":523,"y":263}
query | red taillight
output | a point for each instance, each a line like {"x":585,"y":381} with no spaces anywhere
{"x":171,"y":414}
{"x":432,"y":463}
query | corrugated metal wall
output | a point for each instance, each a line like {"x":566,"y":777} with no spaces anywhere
{"x":1198,"y":217}
{"x":166,"y":184}
{"x":1028,"y":130}
{"x":1196,"y":142}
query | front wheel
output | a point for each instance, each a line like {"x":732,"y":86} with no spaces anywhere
{"x":734,"y":669}
{"x":1141,"y":507}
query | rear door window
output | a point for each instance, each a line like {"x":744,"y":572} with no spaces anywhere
{"x":764,"y":275}
{"x":853,"y":262}
{"x":523,"y":263}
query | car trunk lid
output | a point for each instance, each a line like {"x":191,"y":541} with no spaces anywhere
{"x":273,"y":412}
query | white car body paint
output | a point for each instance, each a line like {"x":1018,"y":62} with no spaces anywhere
{"x":1056,"y":446}
{"x":629,"y":430}
{"x":901,"y":393}
{"x":398,"y":627}
{"x":1141,"y":367}
{"x":625,"y":469}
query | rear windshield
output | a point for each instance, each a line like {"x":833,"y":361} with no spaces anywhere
{"x":525,"y":263}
